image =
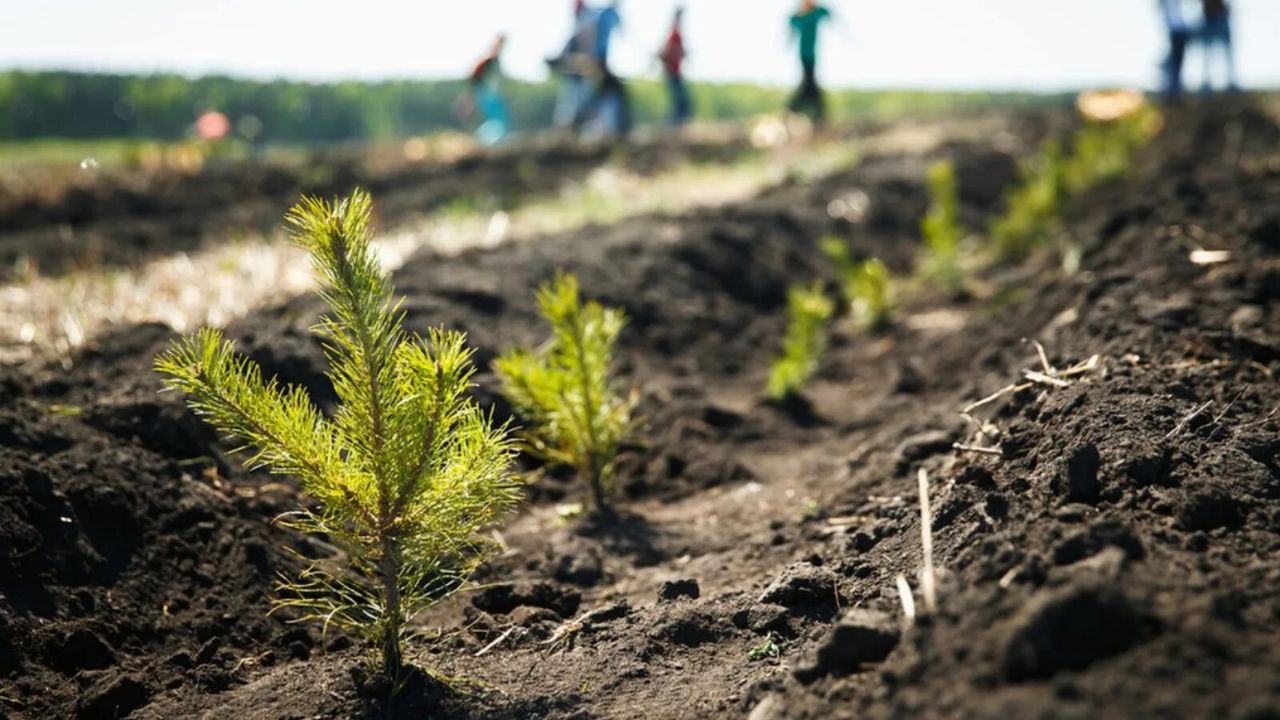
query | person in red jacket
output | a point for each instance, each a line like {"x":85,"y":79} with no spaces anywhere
{"x":672,"y":57}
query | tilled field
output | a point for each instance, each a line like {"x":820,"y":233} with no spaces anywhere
{"x":1116,"y":558}
{"x":123,"y":218}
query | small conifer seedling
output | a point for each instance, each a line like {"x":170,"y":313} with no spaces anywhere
{"x":405,"y":474}
{"x":867,"y":285}
{"x":941,"y":229}
{"x":564,"y":390}
{"x":808,"y":310}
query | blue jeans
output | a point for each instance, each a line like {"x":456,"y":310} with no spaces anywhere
{"x":1173,"y":63}
{"x":573,"y":94}
{"x":1216,"y":36}
{"x":681,"y":105}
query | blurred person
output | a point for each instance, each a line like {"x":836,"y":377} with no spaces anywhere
{"x":672,"y":56}
{"x":484,"y":94}
{"x":1215,"y":35}
{"x":609,"y":106}
{"x":572,"y":65}
{"x":804,"y":26}
{"x":1178,"y":31}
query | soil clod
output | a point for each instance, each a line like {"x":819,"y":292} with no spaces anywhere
{"x":859,"y":638}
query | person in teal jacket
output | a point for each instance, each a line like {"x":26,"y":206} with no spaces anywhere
{"x":484,"y":94}
{"x":805,"y":24}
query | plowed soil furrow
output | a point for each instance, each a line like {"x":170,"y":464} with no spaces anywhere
{"x":1117,"y":559}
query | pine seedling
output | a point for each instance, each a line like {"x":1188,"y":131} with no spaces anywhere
{"x":867,"y":285}
{"x":808,"y":310}
{"x":565,"y":389}
{"x":405,"y":474}
{"x":1099,"y":151}
{"x":1032,"y":204}
{"x":941,"y":230}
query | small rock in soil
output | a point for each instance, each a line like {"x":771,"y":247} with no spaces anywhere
{"x":80,"y":649}
{"x":676,"y":589}
{"x":1069,"y":629}
{"x":862,"y":541}
{"x":761,"y":619}
{"x":1209,"y":509}
{"x":689,"y":627}
{"x":113,"y":697}
{"x":209,"y":650}
{"x":215,"y":679}
{"x":802,"y":585}
{"x":1078,"y":480}
{"x":1145,"y":466}
{"x":859,"y":638}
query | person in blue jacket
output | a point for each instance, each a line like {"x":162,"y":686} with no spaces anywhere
{"x":609,"y":106}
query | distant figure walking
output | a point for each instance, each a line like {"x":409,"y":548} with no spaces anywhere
{"x":573,"y":64}
{"x":484,"y":93}
{"x":1215,"y":35}
{"x":672,"y":57}
{"x":608,"y":107}
{"x":1179,"y":33}
{"x":804,"y":27}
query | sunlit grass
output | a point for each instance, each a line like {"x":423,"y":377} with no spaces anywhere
{"x":15,"y":153}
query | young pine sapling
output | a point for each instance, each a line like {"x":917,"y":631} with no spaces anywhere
{"x":1032,"y":205}
{"x":808,"y":310}
{"x":565,"y":389}
{"x":866,"y":285}
{"x":404,"y":475}
{"x":942,"y":231}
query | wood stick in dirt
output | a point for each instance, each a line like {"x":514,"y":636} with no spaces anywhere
{"x":1194,"y":414}
{"x":977,"y":449}
{"x":927,"y":587}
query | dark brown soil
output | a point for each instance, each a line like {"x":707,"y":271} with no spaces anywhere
{"x":1116,"y":561}
{"x":123,"y":218}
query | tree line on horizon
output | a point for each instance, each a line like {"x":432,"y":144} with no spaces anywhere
{"x":83,"y":105}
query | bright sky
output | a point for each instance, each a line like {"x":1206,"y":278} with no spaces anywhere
{"x":1022,"y":44}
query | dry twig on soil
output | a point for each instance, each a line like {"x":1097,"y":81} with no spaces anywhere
{"x":907,"y":599}
{"x":997,"y":452}
{"x":927,"y":587}
{"x":1186,"y":420}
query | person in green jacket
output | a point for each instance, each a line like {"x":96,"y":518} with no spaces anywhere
{"x":804,"y":27}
